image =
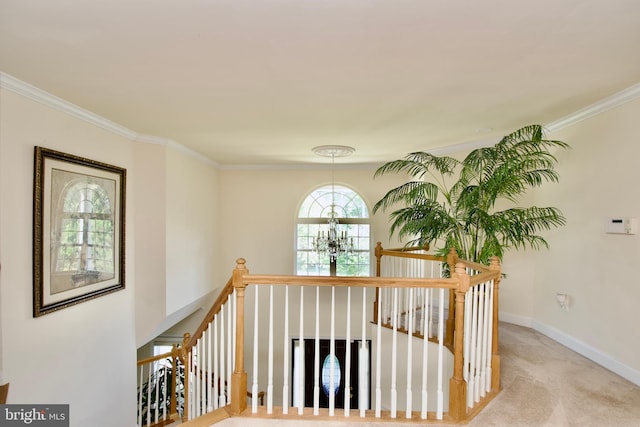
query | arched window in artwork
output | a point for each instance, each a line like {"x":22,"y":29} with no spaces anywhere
{"x":352,"y":214}
{"x":84,"y":223}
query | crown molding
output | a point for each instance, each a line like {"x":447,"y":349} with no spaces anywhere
{"x":18,"y":86}
{"x":191,"y":153}
{"x":608,"y":103}
{"x":615,"y":100}
{"x":171,"y":144}
{"x":25,"y":89}
{"x":45,"y":98}
{"x":464,"y":146}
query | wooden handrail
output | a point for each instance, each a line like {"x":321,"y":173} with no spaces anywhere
{"x":227,"y":290}
{"x":407,"y":254}
{"x":173,"y":353}
{"x":349,"y":281}
{"x":485,"y":276}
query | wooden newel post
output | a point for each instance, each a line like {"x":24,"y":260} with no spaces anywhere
{"x":495,"y":355}
{"x":239,"y":378}
{"x":452,"y":260}
{"x":457,"y":384}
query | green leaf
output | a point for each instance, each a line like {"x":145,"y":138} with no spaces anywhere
{"x":451,"y":203}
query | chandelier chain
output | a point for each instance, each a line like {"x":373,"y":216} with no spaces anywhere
{"x":333,"y":243}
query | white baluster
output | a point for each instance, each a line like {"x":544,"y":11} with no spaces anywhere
{"x":216,"y":374}
{"x":233,"y":334}
{"x":394,"y":355}
{"x":204,"y":379}
{"x":467,"y":335}
{"x":156,"y":367}
{"x":209,"y":369}
{"x":286,"y":350}
{"x":490,"y":338}
{"x":483,"y":349}
{"x":198,"y":379}
{"x":379,"y":362}
{"x":270,"y":361}
{"x":223,"y":385}
{"x":203,"y":376}
{"x":425,"y":361}
{"x":332,"y":354}
{"x":316,"y":368}
{"x":166,"y":398}
{"x":474,"y":340}
{"x":410,"y":315}
{"x":301,"y":395}
{"x":230,"y":338}
{"x":430,"y":313}
{"x":140,"y":386}
{"x":254,"y":387}
{"x":363,"y":386}
{"x":149,"y":394}
{"x":347,"y":357}
{"x":205,"y":372}
{"x":192,"y":406}
{"x":385,"y":308}
{"x":440,"y":394}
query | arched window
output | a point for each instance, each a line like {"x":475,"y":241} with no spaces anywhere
{"x":84,"y":223}
{"x":353,"y":216}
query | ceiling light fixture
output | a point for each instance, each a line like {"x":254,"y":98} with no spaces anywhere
{"x":332,"y":243}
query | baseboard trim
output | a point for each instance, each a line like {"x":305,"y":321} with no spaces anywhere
{"x":576,"y":345}
{"x":516,"y":319}
{"x":589,"y":352}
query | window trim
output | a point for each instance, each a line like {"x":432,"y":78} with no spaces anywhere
{"x":342,"y":220}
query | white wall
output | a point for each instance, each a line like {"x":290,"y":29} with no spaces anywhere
{"x":599,"y":179}
{"x":260,"y":208}
{"x":177,"y":222}
{"x":150,"y":220}
{"x":83,"y":355}
{"x":192,"y":230}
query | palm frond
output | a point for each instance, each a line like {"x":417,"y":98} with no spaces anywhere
{"x":460,"y":213}
{"x":418,"y":164}
{"x":413,"y":192}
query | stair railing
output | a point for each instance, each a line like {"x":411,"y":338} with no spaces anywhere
{"x":209,"y":356}
{"x":214,"y":356}
{"x":160,"y":389}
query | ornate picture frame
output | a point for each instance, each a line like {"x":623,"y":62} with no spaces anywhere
{"x":78,"y":230}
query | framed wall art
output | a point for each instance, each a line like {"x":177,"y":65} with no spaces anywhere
{"x":78,"y":230}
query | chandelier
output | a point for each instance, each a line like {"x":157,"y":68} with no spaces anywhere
{"x":333,"y":243}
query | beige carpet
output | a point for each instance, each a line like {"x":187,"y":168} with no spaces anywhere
{"x":544,"y":384}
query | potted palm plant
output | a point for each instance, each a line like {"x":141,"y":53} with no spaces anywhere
{"x":461,"y":203}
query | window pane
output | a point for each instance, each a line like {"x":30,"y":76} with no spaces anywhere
{"x":344,"y":203}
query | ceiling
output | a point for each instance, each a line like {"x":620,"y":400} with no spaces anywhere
{"x":262,"y":82}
